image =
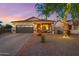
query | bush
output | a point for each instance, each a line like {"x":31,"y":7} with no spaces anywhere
{"x":42,"y":39}
{"x":8,"y":28}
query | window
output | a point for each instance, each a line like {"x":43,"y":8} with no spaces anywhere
{"x":75,"y":27}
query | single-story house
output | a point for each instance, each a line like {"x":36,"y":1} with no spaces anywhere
{"x":58,"y":27}
{"x":35,"y":25}
{"x":73,"y":26}
{"x":32,"y":25}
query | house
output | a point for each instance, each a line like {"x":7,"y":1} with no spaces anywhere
{"x":73,"y":26}
{"x":32,"y":25}
{"x":58,"y":27}
{"x":35,"y":25}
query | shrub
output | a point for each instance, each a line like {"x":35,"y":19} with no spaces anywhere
{"x":42,"y":39}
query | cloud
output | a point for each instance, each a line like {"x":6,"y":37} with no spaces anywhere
{"x":16,"y":11}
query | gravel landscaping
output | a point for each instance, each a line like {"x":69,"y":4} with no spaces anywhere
{"x":55,"y":45}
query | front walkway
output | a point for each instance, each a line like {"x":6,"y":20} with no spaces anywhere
{"x":55,"y":45}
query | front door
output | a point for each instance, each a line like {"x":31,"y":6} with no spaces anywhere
{"x":45,"y":28}
{"x":38,"y":27}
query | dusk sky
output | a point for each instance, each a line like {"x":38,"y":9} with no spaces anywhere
{"x":19,"y":11}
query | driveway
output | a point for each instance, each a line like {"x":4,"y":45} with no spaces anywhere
{"x":11,"y":43}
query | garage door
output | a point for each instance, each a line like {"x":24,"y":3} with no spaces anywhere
{"x":25,"y":29}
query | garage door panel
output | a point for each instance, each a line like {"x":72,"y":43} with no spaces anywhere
{"x":24,"y":29}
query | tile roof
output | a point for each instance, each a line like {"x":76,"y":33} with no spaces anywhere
{"x":26,"y":20}
{"x":31,"y":20}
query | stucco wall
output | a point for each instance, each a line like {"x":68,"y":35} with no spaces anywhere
{"x":21,"y":23}
{"x":60,"y":25}
{"x":75,"y":31}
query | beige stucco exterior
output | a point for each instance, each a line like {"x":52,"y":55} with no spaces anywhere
{"x":20,"y":23}
{"x":33,"y":21}
{"x":33,"y":24}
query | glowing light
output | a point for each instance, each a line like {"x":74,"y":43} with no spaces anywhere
{"x":66,"y":37}
{"x":46,"y":26}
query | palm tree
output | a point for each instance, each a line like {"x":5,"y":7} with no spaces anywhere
{"x":65,"y":10}
{"x":45,"y":9}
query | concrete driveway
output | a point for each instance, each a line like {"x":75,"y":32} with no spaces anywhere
{"x":11,"y":43}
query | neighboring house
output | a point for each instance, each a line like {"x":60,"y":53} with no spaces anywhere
{"x":58,"y":27}
{"x":32,"y":25}
{"x":73,"y":26}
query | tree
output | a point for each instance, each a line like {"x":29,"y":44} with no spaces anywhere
{"x":65,"y":10}
{"x":8,"y":27}
{"x":0,"y":21}
{"x":45,"y":9}
{"x":75,"y":10}
{"x":0,"y":24}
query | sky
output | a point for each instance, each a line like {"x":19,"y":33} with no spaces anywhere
{"x":19,"y":11}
